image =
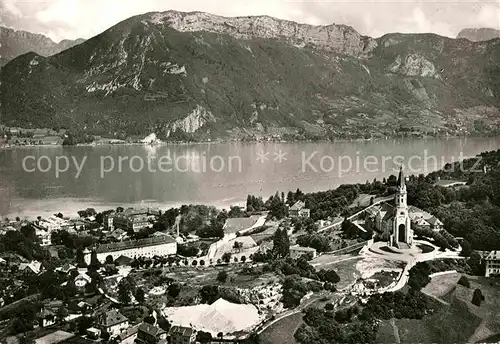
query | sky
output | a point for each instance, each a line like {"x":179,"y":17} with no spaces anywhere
{"x":71,"y":19}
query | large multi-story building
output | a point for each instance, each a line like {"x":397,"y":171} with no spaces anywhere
{"x":149,"y":247}
{"x":182,"y":335}
{"x":132,"y":219}
{"x":492,"y":264}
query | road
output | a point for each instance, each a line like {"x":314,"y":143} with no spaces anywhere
{"x":381,"y":200}
{"x":305,"y":302}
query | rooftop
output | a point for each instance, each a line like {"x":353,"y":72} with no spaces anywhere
{"x":151,"y":329}
{"x":111,"y":318}
{"x":129,"y":332}
{"x":130,"y":244}
{"x":302,"y":249}
{"x":182,"y":331}
{"x":54,"y":337}
{"x":493,"y":255}
{"x":298,"y":205}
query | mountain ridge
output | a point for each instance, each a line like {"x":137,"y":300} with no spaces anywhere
{"x":479,"y":34}
{"x":143,"y":75}
{"x":18,"y":42}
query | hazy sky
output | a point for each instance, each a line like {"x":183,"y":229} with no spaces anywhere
{"x":71,"y":19}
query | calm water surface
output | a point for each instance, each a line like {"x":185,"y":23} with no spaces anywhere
{"x":217,"y":174}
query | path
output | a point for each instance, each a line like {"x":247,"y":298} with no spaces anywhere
{"x":396,"y":331}
{"x":381,"y":200}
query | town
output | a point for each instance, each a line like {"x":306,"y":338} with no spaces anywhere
{"x":186,"y":275}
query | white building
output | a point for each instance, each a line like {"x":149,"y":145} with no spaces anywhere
{"x":112,"y":322}
{"x":299,"y":210}
{"x":493,"y":264}
{"x":149,"y":247}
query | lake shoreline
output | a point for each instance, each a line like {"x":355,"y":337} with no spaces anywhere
{"x":194,"y":143}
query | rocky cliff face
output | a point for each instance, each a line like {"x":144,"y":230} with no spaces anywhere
{"x":478,"y":35}
{"x":15,"y":43}
{"x":334,"y":38}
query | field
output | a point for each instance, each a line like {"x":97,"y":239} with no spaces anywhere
{"x":208,"y":275}
{"x":282,"y":331}
{"x":442,"y":284}
{"x":458,"y":322}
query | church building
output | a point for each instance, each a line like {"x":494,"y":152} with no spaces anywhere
{"x":394,"y":220}
{"x":402,"y":234}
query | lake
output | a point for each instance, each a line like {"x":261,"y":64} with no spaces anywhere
{"x":44,"y":180}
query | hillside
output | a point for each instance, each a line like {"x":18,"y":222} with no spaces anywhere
{"x":458,"y":321}
{"x":199,"y":76}
{"x":481,"y":34}
{"x":16,"y":43}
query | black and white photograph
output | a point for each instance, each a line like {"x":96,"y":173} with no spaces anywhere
{"x":249,"y":171}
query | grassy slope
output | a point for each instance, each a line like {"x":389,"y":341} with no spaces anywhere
{"x":282,"y":331}
{"x":460,"y":322}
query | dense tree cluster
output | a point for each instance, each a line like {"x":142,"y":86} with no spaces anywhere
{"x":419,"y":276}
{"x":23,"y":242}
{"x":321,"y":328}
{"x":317,"y":241}
{"x":255,"y":204}
{"x":411,"y":305}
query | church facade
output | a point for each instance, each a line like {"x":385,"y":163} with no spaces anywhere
{"x":394,"y":220}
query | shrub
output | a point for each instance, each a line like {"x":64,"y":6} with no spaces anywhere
{"x":222,"y":276}
{"x":477,"y":297}
{"x":464,"y":281}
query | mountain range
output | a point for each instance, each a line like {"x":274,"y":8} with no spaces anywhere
{"x":14,"y":43}
{"x":480,"y":34}
{"x":200,"y":76}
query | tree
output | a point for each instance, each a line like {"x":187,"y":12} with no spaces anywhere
{"x":477,"y":297}
{"x":95,"y":264}
{"x":222,"y":276}
{"x":195,"y":262}
{"x":281,"y":243}
{"x":140,"y":295}
{"x":466,"y":249}
{"x":349,"y":229}
{"x":203,"y":337}
{"x":238,"y":246}
{"x":464,"y":281}
{"x":109,"y":259}
{"x":126,"y":288}
{"x":277,"y":207}
{"x":243,"y":259}
{"x":226,"y":257}
{"x":150,"y":320}
{"x":477,"y":264}
{"x":80,"y":259}
{"x":174,"y":290}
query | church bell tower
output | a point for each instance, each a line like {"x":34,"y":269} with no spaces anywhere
{"x":402,"y":235}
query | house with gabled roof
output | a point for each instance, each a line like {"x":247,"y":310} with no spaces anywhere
{"x":299,"y":210}
{"x":112,"y":322}
{"x":150,"y":334}
{"x":181,"y":335}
